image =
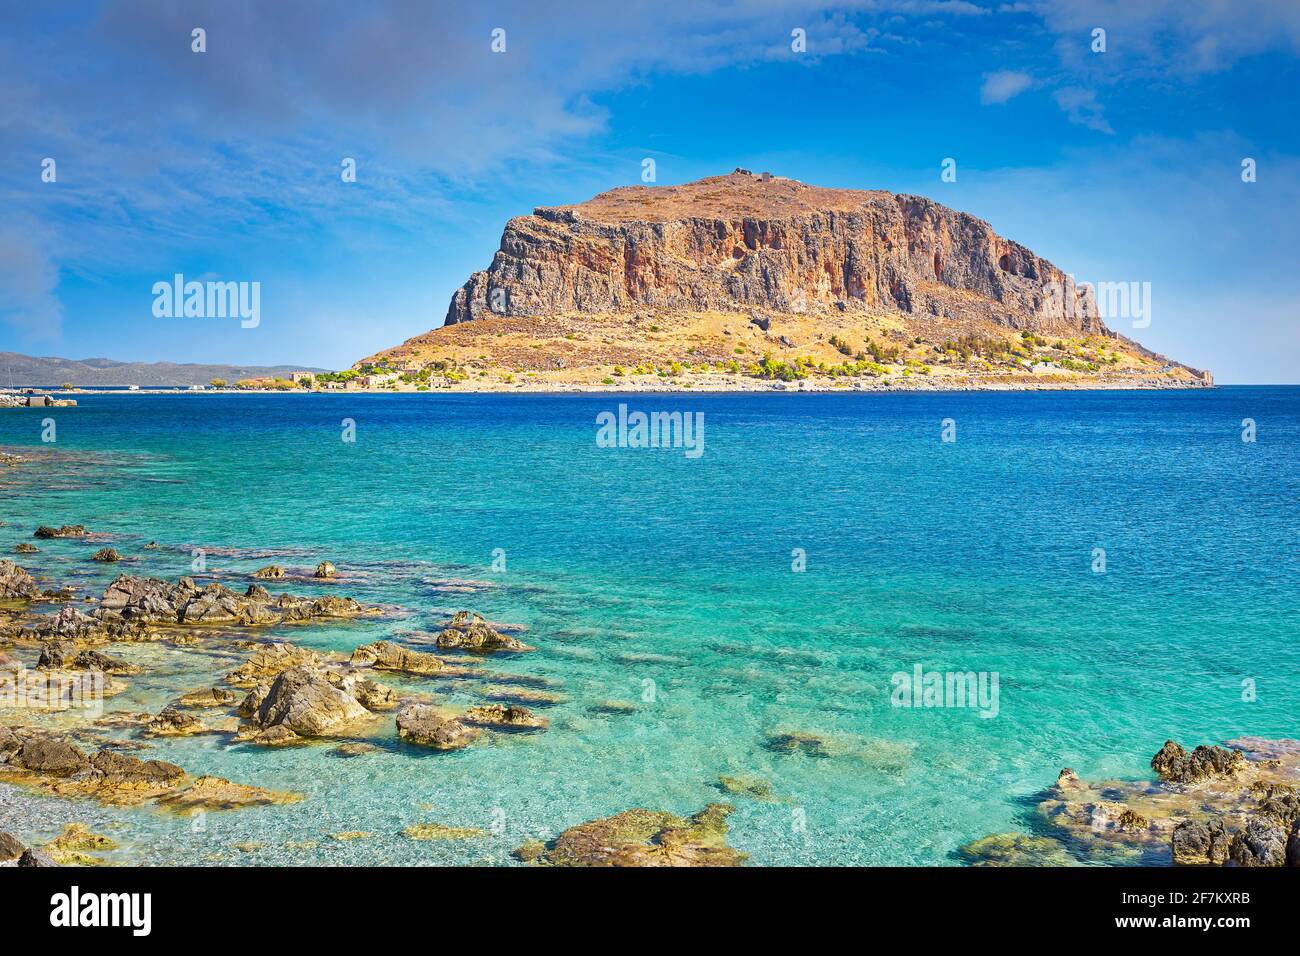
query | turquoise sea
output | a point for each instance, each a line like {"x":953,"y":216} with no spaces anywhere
{"x":665,"y":582}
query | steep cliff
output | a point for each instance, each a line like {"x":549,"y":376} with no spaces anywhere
{"x":772,"y":244}
{"x":753,"y":281}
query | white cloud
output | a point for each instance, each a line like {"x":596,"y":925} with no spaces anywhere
{"x":1081,"y":107}
{"x":1001,"y":86}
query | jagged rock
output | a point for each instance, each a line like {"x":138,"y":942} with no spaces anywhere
{"x":56,"y":655}
{"x":387,"y":656}
{"x":643,"y":838}
{"x":257,"y":593}
{"x":10,"y":848}
{"x":1261,"y":843}
{"x":122,"y":770}
{"x":370,"y":694}
{"x":50,"y":755}
{"x":35,"y":858}
{"x":106,"y":555}
{"x":66,"y":531}
{"x":172,"y":722}
{"x":1197,"y":843}
{"x":475,"y":634}
{"x":278,"y":736}
{"x":268,"y":661}
{"x":422,"y":724}
{"x":270,"y":572}
{"x":153,"y":601}
{"x":16,"y":584}
{"x":508,"y":718}
{"x":10,"y":744}
{"x":1068,"y":780}
{"x":147,"y":600}
{"x":1015,"y":849}
{"x":326,"y":570}
{"x":25,"y":548}
{"x":95,"y":661}
{"x":1175,"y":765}
{"x":304,"y":700}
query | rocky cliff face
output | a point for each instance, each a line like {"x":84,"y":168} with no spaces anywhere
{"x":769,"y":244}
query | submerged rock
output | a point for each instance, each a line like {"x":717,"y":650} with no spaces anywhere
{"x":642,"y":838}
{"x":271,"y":572}
{"x":436,"y":831}
{"x":1016,"y":849}
{"x":26,"y":548}
{"x":215,"y":793}
{"x":76,"y":845}
{"x":746,"y":785}
{"x":798,"y":741}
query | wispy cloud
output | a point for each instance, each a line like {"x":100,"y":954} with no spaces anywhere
{"x":1081,"y":106}
{"x":1003,"y":85}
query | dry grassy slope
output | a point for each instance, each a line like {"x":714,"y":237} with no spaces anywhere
{"x":670,"y":279}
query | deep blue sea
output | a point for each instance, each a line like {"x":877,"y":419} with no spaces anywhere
{"x":667,"y":584}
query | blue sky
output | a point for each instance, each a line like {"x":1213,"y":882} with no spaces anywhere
{"x":1118,"y":166}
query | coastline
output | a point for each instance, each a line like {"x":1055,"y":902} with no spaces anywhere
{"x":704,"y":386}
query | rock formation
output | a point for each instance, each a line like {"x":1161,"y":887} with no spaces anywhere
{"x":770,"y":243}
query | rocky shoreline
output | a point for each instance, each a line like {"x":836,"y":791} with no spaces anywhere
{"x":1237,"y":805}
{"x":282,"y":694}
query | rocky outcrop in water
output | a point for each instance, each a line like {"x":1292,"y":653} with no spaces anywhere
{"x":470,"y":632}
{"x":16,"y":584}
{"x":1237,"y":805}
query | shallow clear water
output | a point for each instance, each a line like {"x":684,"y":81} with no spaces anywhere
{"x":648,"y":577}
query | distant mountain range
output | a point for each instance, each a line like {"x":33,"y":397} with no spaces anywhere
{"x":48,"y":372}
